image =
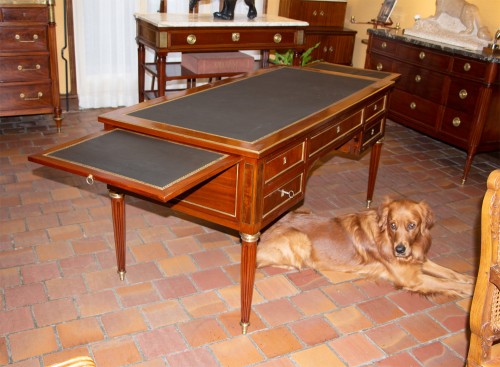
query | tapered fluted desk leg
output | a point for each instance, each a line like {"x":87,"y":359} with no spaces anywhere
{"x":118,"y":212}
{"x":248,"y":264}
{"x":372,"y":173}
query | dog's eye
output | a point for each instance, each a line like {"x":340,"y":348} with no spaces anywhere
{"x":411,"y":226}
{"x":393,"y":226}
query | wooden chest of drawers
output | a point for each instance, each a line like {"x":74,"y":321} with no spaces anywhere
{"x":28,"y":59}
{"x":450,"y":94}
{"x":326,"y":26}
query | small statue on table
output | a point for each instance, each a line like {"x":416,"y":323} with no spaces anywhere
{"x":227,"y":12}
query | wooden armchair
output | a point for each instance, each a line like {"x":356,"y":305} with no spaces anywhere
{"x":484,"y":349}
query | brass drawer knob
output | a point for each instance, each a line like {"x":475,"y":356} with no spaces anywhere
{"x":467,"y":66}
{"x":321,"y":13}
{"x":418,"y":78}
{"x":21,"y":68}
{"x":384,"y":45}
{"x":236,"y":37}
{"x":421,"y":55}
{"x":18,"y":38}
{"x":456,"y":122}
{"x":277,"y":38}
{"x":315,"y":13}
{"x":191,"y":39}
{"x":380,"y":66}
{"x":462,"y":94}
{"x":413,"y":105}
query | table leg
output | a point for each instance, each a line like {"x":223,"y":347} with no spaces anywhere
{"x":248,"y":265}
{"x":161,"y":64}
{"x":141,"y":59}
{"x":373,"y":170}
{"x":118,"y":212}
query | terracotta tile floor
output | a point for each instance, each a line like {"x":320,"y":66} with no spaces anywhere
{"x":179,"y":305}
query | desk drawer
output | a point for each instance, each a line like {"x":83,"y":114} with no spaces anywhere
{"x":25,"y":68}
{"x":25,"y":39}
{"x":28,"y":95}
{"x":284,"y":162}
{"x":374,"y":108}
{"x":291,"y":190}
{"x":25,"y":14}
{"x":222,"y":39}
{"x":372,"y":134}
{"x":334,"y":134}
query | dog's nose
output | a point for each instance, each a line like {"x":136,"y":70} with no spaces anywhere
{"x":400,"y":249}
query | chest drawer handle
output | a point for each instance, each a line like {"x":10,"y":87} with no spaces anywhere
{"x":236,"y":37}
{"x":24,"y":98}
{"x":456,"y":122}
{"x":290,"y":193}
{"x":413,"y":105}
{"x":315,"y":13}
{"x":284,"y":161}
{"x":418,"y":78}
{"x":277,"y":38}
{"x":384,"y":45}
{"x":380,"y":66}
{"x":467,"y":66}
{"x":191,"y":39}
{"x":322,"y":13}
{"x":462,"y":94}
{"x":18,"y":38}
{"x":421,"y":55}
{"x":20,"y":68}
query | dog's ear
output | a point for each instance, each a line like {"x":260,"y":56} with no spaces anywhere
{"x":383,"y":213}
{"x":427,"y":216}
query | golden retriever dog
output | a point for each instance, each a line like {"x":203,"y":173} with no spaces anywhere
{"x":390,"y":243}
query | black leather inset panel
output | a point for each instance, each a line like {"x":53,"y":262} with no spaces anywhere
{"x":252,"y":108}
{"x":142,"y":158}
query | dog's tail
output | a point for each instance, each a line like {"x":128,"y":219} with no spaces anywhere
{"x":291,"y":249}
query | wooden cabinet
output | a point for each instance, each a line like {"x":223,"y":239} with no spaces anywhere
{"x":28,"y":59}
{"x":326,"y":26}
{"x":450,"y":94}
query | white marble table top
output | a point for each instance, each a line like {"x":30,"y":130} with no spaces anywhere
{"x":207,"y":20}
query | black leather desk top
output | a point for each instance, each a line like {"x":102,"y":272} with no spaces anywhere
{"x":249,"y":109}
{"x":138,"y":157}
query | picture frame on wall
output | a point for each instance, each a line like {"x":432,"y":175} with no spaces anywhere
{"x":386,"y":11}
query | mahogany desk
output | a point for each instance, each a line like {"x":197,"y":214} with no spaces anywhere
{"x":164,"y":33}
{"x":236,"y":153}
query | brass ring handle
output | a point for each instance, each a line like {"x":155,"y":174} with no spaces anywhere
{"x":467,"y":66}
{"x":90,"y":179}
{"x":191,"y":39}
{"x":290,"y":193}
{"x":331,"y":49}
{"x":23,"y":97}
{"x":18,"y":38}
{"x":380,"y":66}
{"x":21,"y":68}
{"x":236,"y":37}
{"x":418,"y":78}
{"x":321,"y":13}
{"x":421,"y":55}
{"x":277,"y":38}
{"x":413,"y":105}
{"x":315,"y":13}
{"x":462,"y":94}
{"x":325,"y":49}
{"x":456,"y":122}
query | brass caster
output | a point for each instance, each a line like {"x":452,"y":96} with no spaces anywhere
{"x":244,"y":327}
{"x":121,"y":274}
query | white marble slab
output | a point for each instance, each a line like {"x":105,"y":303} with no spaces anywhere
{"x":208,"y":20}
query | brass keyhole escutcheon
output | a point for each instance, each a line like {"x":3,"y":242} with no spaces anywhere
{"x":456,"y":122}
{"x":277,"y":38}
{"x":235,"y":37}
{"x":191,"y":39}
{"x":462,"y":94}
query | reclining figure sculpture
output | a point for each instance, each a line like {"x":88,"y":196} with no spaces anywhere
{"x":227,"y":12}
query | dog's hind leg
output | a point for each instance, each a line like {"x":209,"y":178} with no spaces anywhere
{"x":431,"y":268}
{"x":287,"y":250}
